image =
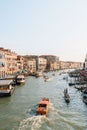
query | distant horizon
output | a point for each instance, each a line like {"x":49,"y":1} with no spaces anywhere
{"x":45,"y":27}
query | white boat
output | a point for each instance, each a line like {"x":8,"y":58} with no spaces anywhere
{"x":6,"y":88}
{"x":46,"y":79}
{"x":20,"y":79}
{"x":39,"y":74}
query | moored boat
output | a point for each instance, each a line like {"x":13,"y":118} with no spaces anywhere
{"x":81,"y":88}
{"x":6,"y":88}
{"x":84,"y":92}
{"x":20,"y":79}
{"x":39,"y":74}
{"x":85,"y":100}
{"x":43,"y":107}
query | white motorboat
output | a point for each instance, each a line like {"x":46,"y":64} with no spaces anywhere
{"x":20,"y":79}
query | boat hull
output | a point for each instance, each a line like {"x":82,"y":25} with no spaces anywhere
{"x":20,"y":79}
{"x":6,"y":87}
{"x":6,"y":93}
{"x":43,"y":107}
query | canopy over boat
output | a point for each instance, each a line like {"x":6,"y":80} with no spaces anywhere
{"x":5,"y":82}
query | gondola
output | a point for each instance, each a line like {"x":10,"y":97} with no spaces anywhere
{"x":66,"y":95}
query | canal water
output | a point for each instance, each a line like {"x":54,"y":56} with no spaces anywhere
{"x":18,"y":112}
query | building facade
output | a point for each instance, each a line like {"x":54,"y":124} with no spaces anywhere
{"x":31,"y":65}
{"x":41,"y":63}
{"x":8,"y":61}
{"x":2,"y":64}
{"x":85,"y":63}
{"x":20,"y":63}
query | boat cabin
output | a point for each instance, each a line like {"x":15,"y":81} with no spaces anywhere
{"x":20,"y":79}
{"x":6,"y":88}
{"x":43,"y":107}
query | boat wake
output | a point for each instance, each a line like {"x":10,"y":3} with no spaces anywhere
{"x":59,"y":119}
{"x":56,"y":120}
{"x":53,"y":110}
{"x":32,"y":123}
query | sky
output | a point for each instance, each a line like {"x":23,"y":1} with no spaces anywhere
{"x":41,"y":27}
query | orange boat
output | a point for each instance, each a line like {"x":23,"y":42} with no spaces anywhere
{"x":43,"y":107}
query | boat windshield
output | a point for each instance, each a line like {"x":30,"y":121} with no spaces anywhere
{"x":20,"y":79}
{"x":42,"y":105}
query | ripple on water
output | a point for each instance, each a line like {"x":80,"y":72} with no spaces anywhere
{"x":19,"y":111}
{"x":56,"y":120}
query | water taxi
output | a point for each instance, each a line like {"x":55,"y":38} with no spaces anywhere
{"x":6,"y":88}
{"x":43,"y":107}
{"x":20,"y":79}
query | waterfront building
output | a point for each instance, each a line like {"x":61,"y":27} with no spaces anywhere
{"x":11,"y":62}
{"x":20,"y":62}
{"x":70,"y":65}
{"x":53,"y":66}
{"x":50,"y":58}
{"x":32,"y":65}
{"x":63,"y":65}
{"x":9,"y":59}
{"x":85,"y":63}
{"x":2,"y":64}
{"x":52,"y":62}
{"x":41,"y":63}
{"x":75,"y":65}
{"x":25,"y":66}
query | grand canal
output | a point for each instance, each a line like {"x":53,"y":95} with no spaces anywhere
{"x":18,"y":111}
